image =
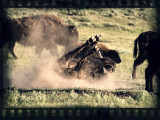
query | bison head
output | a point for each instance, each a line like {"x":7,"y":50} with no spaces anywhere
{"x":71,"y":38}
{"x":113,"y":54}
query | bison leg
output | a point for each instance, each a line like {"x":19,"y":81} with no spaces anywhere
{"x":38,"y":51}
{"x":149,"y":73}
{"x":11,"y":48}
{"x":158,"y":75}
{"x":54,"y":51}
{"x":137,"y":62}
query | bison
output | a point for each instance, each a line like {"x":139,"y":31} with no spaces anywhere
{"x":149,"y":49}
{"x":42,"y":31}
{"x":89,"y":60}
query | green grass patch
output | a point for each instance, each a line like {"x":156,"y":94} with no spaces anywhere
{"x":92,"y":98}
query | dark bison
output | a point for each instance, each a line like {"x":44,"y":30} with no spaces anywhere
{"x":89,"y":60}
{"x":41,"y":31}
{"x":149,"y":49}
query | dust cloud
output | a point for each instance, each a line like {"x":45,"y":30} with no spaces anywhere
{"x":42,"y":72}
{"x":44,"y":75}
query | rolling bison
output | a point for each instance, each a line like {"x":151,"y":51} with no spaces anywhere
{"x":41,"y":31}
{"x":89,"y":60}
{"x":149,"y":49}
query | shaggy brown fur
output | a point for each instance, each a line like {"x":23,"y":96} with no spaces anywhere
{"x":74,"y":56}
{"x":89,"y":60}
{"x":41,"y":31}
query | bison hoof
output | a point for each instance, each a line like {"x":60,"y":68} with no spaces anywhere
{"x":149,"y":90}
{"x":15,"y":58}
{"x":133,"y":76}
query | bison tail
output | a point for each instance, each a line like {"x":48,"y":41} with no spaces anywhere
{"x":135,"y":48}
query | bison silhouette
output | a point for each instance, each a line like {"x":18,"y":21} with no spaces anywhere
{"x":149,"y":49}
{"x":42,"y":31}
{"x":89,"y":60}
{"x":142,"y":41}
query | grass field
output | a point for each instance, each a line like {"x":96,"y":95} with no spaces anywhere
{"x":118,"y":27}
{"x":80,"y":98}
